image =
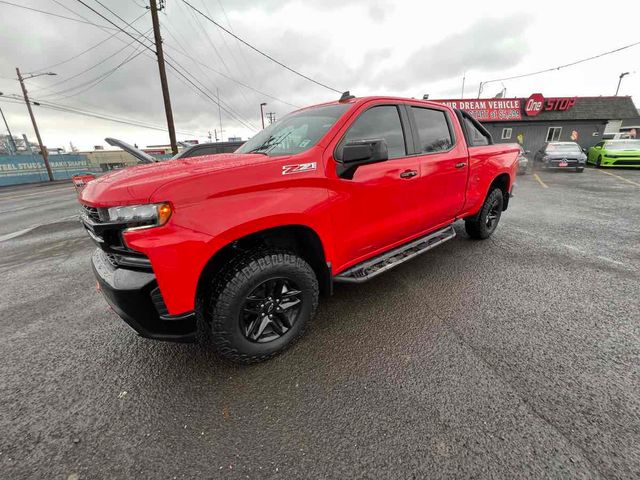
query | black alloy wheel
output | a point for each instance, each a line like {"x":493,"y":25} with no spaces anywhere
{"x":493,"y":215}
{"x":484,"y":223}
{"x":599,"y":161}
{"x":271,"y":310}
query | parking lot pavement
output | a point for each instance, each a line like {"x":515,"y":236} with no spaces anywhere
{"x":509,"y":358}
{"x":27,"y":206}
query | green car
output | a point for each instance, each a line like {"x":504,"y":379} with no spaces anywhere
{"x":615,"y":153}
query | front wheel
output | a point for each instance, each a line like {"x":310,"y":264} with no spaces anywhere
{"x":483,"y":224}
{"x":260,"y":305}
{"x":579,"y":169}
{"x":599,"y":161}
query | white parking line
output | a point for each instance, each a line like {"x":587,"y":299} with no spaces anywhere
{"x":43,"y":192}
{"x":9,"y":236}
{"x":621,"y":178}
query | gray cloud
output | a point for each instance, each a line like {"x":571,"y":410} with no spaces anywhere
{"x":33,"y":41}
{"x":490,"y":44}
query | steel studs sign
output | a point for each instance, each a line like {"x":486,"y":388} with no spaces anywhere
{"x":490,"y":109}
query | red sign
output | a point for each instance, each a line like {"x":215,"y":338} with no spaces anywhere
{"x":489,"y":109}
{"x":536,"y":103}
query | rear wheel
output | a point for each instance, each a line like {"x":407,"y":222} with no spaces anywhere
{"x":260,"y":305}
{"x":483,"y":224}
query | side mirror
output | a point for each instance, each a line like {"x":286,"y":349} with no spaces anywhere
{"x":597,"y":147}
{"x":357,"y":153}
{"x":584,"y":150}
{"x":527,"y":152}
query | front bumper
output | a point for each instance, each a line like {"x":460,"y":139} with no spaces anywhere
{"x":134,"y":295}
{"x":570,"y":163}
{"x":619,"y":161}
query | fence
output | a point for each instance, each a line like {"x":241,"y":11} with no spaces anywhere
{"x":16,"y":169}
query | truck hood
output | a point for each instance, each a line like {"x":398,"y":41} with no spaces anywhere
{"x":135,"y":185}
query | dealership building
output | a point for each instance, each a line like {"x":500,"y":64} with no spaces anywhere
{"x":537,"y":119}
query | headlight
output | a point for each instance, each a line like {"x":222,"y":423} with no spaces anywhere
{"x":141,"y":216}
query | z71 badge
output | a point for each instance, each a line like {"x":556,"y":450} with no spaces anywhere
{"x":299,"y":168}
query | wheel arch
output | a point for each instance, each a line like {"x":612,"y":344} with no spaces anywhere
{"x":503,"y":182}
{"x":297,"y":238}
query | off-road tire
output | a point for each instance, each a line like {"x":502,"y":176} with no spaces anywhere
{"x":477,"y":226}
{"x":229,"y":289}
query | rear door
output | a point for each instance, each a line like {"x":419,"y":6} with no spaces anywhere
{"x":380,"y":205}
{"x":443,"y":159}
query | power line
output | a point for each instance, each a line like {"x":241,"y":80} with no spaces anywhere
{"x":260,"y":51}
{"x":208,"y":38}
{"x":552,"y":69}
{"x":50,"y":67}
{"x":228,"y":77}
{"x":90,"y":68}
{"x":13,"y":98}
{"x":247,"y":124}
{"x":92,"y":83}
{"x":54,"y":14}
{"x":115,"y":25}
{"x":237,"y":42}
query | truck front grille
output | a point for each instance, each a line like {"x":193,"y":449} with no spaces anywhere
{"x":92,"y":213}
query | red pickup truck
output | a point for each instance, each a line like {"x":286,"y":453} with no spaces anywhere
{"x":236,"y":248}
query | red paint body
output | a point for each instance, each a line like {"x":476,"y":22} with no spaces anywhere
{"x":220,"y":198}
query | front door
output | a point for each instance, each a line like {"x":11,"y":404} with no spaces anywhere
{"x":379,"y":206}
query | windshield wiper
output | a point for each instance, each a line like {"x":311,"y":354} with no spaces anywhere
{"x":270,"y":143}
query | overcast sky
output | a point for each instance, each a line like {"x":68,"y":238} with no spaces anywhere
{"x":370,"y":47}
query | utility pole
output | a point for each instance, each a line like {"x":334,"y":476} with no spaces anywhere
{"x":219,"y":113}
{"x":464,"y":77}
{"x":622,"y":75}
{"x":262,"y":105}
{"x":163,"y":73}
{"x":43,"y":149}
{"x":11,"y":139}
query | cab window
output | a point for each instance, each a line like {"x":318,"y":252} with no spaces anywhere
{"x":382,"y":122}
{"x":476,"y":137}
{"x":433,"y":130}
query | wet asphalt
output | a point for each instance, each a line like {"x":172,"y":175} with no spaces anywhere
{"x":515,"y":357}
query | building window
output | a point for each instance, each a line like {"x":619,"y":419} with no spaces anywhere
{"x":506,"y":134}
{"x":553,"y":134}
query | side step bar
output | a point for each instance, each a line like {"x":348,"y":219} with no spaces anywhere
{"x":386,"y":261}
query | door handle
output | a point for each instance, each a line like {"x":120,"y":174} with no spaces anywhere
{"x":408,"y":174}
{"x":461,"y":164}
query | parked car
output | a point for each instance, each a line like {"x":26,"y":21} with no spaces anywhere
{"x":615,"y":153}
{"x":560,"y":155}
{"x":236,"y":248}
{"x":523,"y":161}
{"x":201,"y":149}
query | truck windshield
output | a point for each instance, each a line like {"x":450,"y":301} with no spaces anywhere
{"x":295,"y":133}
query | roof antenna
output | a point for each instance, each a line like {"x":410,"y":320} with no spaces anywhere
{"x":346,"y":96}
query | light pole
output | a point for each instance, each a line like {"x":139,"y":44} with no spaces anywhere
{"x":43,"y":149}
{"x":11,"y":140}
{"x":262,"y":105}
{"x":622,"y":75}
